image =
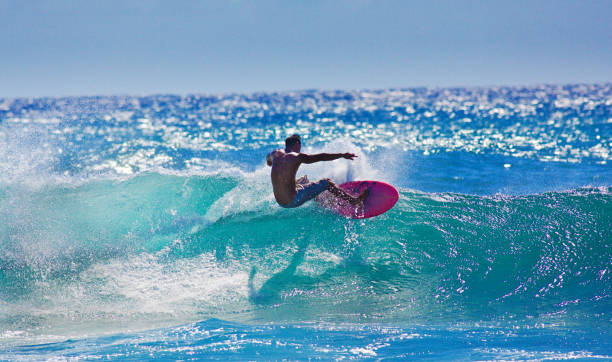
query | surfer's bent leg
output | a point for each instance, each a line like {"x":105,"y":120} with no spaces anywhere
{"x":308,"y":192}
{"x":340,"y":193}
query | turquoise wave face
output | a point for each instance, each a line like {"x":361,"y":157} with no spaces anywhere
{"x":156,"y":249}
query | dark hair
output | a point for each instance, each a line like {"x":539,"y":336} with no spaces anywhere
{"x":292,"y":140}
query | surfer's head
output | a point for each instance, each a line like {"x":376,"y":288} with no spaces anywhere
{"x":293,"y":143}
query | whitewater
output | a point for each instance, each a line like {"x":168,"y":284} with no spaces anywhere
{"x":144,"y":227}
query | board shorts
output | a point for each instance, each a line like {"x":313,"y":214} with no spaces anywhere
{"x":308,"y":192}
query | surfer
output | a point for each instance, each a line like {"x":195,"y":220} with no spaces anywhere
{"x":290,"y":192}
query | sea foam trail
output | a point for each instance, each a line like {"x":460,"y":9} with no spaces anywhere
{"x":157,"y":250}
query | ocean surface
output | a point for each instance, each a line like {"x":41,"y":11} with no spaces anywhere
{"x":144,"y":227}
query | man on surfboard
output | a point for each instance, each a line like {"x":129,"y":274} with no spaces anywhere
{"x":290,"y":192}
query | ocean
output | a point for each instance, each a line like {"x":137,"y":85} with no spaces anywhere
{"x":144,"y":227}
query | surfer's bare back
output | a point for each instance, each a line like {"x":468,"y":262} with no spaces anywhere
{"x":290,"y":192}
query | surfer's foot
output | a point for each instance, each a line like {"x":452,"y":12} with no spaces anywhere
{"x":361,"y":198}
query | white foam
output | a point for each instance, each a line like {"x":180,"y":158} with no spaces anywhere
{"x":130,"y":294}
{"x":184,"y":287}
{"x":252,"y":194}
{"x":26,"y":153}
{"x":341,"y":170}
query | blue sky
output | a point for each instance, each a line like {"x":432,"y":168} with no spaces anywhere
{"x":54,"y":48}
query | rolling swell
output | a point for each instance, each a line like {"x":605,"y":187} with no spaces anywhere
{"x":156,"y":249}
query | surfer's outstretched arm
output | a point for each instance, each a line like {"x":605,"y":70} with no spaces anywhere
{"x":306,"y":158}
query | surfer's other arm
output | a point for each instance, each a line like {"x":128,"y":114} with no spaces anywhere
{"x":305,"y":158}
{"x":271,"y":156}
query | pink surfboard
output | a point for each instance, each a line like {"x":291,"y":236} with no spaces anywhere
{"x":382,"y":197}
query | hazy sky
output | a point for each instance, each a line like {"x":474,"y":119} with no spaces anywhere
{"x":59,"y":47}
